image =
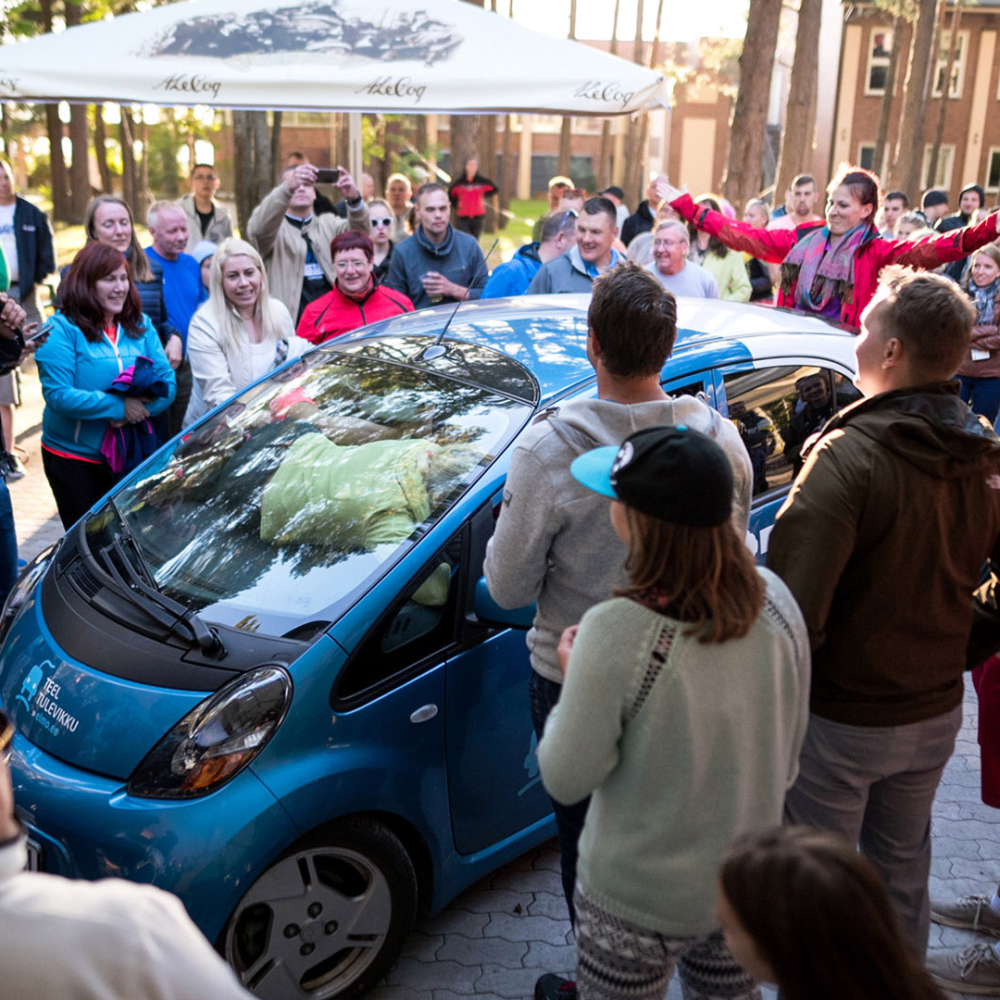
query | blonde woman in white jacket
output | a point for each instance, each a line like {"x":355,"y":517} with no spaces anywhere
{"x":240,"y":333}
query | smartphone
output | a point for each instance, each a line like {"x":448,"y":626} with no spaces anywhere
{"x":326,"y":175}
{"x":42,"y":331}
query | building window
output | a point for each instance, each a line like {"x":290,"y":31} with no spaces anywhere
{"x":942,"y":178}
{"x":866,"y":156}
{"x":879,"y":51}
{"x":993,"y":170}
{"x":957,"y":66}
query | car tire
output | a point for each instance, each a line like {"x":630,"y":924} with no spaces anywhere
{"x":327,"y":918}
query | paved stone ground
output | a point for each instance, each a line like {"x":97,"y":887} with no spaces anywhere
{"x":495,"y":939}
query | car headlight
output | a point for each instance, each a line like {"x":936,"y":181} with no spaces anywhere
{"x":22,"y":590}
{"x":217,"y":738}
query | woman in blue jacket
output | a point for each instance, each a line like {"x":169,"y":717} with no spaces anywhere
{"x":99,"y":331}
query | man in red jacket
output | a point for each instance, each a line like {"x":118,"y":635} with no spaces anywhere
{"x":468,"y":196}
{"x":356,"y":299}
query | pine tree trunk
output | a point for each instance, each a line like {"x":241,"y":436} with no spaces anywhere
{"x":101,"y":149}
{"x":276,"y":163}
{"x":126,"y":137}
{"x":143,"y":196}
{"x":489,"y":167}
{"x":797,"y":141}
{"x":885,"y":112}
{"x":263,"y":172}
{"x":79,"y":134}
{"x":508,"y":169}
{"x":243,"y":168}
{"x":956,"y":24}
{"x":905,"y":172}
{"x":604,"y":162}
{"x":633,"y":173}
{"x":748,"y":130}
{"x":57,"y":163}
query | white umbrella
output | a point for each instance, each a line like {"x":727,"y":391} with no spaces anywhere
{"x":348,"y":55}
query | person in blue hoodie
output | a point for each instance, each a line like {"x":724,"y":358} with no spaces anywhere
{"x":513,"y":278}
{"x":99,"y":331}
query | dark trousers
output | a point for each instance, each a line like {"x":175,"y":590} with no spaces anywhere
{"x":8,"y":544}
{"x":473,"y":225}
{"x":982,"y":395}
{"x":76,"y":485}
{"x":569,"y":819}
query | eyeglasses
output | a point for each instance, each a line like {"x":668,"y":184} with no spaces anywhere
{"x":351,"y":265}
{"x":669,"y":244}
{"x":6,"y":733}
{"x":381,"y":222}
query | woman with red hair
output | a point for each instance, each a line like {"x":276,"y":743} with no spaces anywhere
{"x":99,"y":331}
{"x":357,"y":298}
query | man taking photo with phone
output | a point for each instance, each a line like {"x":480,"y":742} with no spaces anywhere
{"x":295,"y":243}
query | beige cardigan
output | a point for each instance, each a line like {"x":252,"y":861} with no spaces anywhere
{"x":284,"y":250}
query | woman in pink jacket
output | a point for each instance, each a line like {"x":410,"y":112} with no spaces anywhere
{"x":832,"y":270}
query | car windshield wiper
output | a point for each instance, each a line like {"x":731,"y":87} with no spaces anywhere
{"x":165,"y":610}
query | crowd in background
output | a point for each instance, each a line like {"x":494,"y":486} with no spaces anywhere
{"x":145,"y":341}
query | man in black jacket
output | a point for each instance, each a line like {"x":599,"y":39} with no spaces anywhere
{"x":26,"y":242}
{"x":642,"y":219}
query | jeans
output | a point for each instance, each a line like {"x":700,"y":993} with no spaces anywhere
{"x":569,"y":819}
{"x":982,"y":395}
{"x":8,"y":544}
{"x":875,"y":786}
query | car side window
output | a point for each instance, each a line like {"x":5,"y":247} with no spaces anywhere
{"x":776,"y":410}
{"x":419,"y":625}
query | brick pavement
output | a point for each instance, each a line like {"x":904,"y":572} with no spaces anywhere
{"x":495,"y":939}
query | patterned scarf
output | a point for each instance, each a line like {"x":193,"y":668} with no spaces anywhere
{"x":819,"y":274}
{"x":984,"y":299}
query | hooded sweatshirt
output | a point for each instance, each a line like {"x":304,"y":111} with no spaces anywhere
{"x":554,"y":542}
{"x":568,"y":273}
{"x":458,"y":257}
{"x":882,"y":541}
{"x":514,"y":277}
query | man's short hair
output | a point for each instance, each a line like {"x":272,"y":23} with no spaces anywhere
{"x":897,"y":196}
{"x":599,"y":205}
{"x":154,"y":211}
{"x":392,"y":178}
{"x":634,"y":319}
{"x":615,"y":190}
{"x":428,"y":188}
{"x":802,"y":180}
{"x":207,"y":166}
{"x":932,"y":317}
{"x":560,"y":221}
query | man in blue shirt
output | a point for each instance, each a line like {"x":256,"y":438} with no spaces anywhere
{"x":183,"y":292}
{"x":513,"y":278}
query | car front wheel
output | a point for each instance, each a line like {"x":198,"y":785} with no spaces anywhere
{"x":328,"y":918}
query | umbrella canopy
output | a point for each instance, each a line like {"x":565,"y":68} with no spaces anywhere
{"x":349,"y":55}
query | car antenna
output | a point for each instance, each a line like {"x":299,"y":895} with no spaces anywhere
{"x":437,"y":349}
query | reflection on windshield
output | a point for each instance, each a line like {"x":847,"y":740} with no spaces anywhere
{"x":324,"y":471}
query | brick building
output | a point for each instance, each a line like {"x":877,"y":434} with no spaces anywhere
{"x":970,"y":147}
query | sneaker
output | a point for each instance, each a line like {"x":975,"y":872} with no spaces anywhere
{"x":553,"y":987}
{"x":15,"y":468}
{"x":971,"y":913}
{"x":975,"y":970}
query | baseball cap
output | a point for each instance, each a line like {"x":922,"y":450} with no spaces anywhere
{"x":206,"y":248}
{"x":673,"y":473}
{"x":935,"y":196}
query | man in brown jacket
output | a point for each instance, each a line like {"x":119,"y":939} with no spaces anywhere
{"x":294,"y":243}
{"x":882,"y":541}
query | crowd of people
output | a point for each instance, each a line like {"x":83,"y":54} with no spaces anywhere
{"x":822,"y":692}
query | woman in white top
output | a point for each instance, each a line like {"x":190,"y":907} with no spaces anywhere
{"x":240,"y":333}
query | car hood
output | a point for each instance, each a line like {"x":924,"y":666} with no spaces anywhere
{"x":78,"y":714}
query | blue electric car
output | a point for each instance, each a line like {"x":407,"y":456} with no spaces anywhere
{"x":265,"y":673}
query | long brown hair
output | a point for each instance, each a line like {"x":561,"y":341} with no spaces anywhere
{"x":138,"y":260}
{"x":820,"y":918}
{"x":79,"y":303}
{"x":705,"y":576}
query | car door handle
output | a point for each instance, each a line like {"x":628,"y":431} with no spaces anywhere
{"x":424,"y":714}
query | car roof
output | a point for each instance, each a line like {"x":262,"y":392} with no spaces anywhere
{"x":548,"y":334}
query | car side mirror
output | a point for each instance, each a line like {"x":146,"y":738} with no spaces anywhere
{"x":490,"y":613}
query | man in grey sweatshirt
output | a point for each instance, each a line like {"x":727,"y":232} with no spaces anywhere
{"x":554,"y":543}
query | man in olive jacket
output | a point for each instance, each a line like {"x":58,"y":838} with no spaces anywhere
{"x":882,"y":541}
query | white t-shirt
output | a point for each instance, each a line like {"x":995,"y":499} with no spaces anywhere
{"x":7,"y":242}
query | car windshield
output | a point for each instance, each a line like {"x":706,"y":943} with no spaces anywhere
{"x":280,"y":507}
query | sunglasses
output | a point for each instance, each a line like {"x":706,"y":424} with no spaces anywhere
{"x":6,"y":732}
{"x":381,"y":222}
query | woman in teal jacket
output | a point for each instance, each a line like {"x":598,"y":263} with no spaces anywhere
{"x":99,"y":331}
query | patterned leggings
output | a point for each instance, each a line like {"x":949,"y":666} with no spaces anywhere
{"x":616,"y":960}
